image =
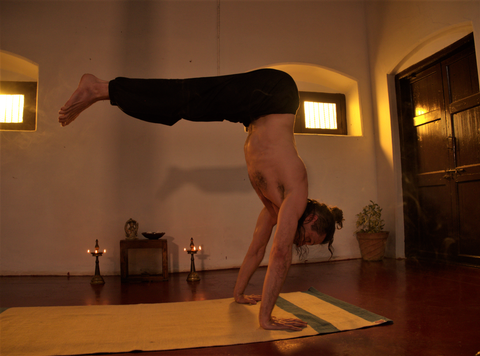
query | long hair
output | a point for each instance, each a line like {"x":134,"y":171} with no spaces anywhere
{"x":328,"y":220}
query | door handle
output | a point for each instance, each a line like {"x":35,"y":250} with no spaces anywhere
{"x":452,"y":173}
{"x":449,"y":174}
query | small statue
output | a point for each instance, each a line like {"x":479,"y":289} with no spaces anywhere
{"x":192,"y":246}
{"x":131,"y":229}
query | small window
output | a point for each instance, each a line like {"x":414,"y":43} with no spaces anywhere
{"x":18,"y":106}
{"x":321,"y":113}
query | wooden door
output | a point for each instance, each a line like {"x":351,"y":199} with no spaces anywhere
{"x":439,"y":117}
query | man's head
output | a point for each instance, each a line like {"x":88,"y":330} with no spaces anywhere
{"x":317,"y":226}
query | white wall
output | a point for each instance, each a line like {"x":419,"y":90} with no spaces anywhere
{"x":400,"y":34}
{"x":62,"y":188}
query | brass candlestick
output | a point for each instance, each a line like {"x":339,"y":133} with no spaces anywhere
{"x":97,"y":279}
{"x":192,"y":276}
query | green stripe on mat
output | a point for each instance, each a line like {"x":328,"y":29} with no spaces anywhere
{"x":319,"y":325}
{"x":362,"y":313}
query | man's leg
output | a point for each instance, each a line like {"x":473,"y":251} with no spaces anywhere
{"x":234,"y":97}
{"x":237,"y":97}
{"x":166,"y":101}
{"x":90,"y":90}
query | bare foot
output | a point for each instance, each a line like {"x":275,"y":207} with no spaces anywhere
{"x":89,"y":91}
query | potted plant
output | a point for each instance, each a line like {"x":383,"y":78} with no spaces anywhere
{"x":370,"y":235}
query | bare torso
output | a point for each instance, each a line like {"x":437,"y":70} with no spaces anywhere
{"x":273,"y":164}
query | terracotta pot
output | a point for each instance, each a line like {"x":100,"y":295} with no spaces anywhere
{"x":372,"y":245}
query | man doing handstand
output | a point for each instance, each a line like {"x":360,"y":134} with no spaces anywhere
{"x":265,"y":101}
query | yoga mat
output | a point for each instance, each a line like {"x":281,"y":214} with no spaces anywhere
{"x":40,"y":331}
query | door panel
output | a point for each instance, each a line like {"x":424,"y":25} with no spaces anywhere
{"x":427,"y":91}
{"x":429,"y":121}
{"x":467,"y":138}
{"x":435,"y":224}
{"x":431,"y":148}
{"x":467,"y":134}
{"x":432,"y":158}
{"x":462,"y":75}
{"x":439,"y":117}
{"x":469,"y":242}
{"x":463,"y":107}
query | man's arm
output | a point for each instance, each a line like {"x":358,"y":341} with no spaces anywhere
{"x":254,"y":257}
{"x":279,"y":263}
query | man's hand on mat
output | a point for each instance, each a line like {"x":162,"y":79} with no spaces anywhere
{"x":248,"y":299}
{"x":284,"y":324}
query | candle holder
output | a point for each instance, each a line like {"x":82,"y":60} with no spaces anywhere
{"x":97,"y":279}
{"x":192,"y":276}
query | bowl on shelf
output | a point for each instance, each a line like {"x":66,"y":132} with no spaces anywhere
{"x":153,"y":235}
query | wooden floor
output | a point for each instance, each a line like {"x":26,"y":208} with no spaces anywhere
{"x":435,"y":308}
